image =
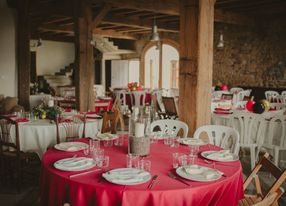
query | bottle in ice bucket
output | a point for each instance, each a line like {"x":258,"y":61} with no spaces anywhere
{"x":138,"y":142}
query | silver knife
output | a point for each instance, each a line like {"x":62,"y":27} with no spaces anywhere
{"x":153,"y":181}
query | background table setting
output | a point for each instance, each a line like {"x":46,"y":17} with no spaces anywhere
{"x":172,"y":174}
{"x":36,"y":135}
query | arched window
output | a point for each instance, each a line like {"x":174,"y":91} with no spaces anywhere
{"x":161,"y":66}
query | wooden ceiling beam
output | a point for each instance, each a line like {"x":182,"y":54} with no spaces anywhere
{"x":114,"y":34}
{"x":101,"y":14}
{"x":160,"y":6}
{"x":138,"y":23}
{"x":172,"y":8}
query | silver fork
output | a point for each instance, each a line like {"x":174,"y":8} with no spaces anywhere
{"x":170,"y":174}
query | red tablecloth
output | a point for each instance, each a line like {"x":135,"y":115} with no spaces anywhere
{"x":148,"y":99}
{"x":57,"y":188}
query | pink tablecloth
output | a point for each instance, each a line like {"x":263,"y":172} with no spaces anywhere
{"x":57,"y":188}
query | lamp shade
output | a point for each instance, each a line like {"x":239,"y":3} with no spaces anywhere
{"x":155,"y":35}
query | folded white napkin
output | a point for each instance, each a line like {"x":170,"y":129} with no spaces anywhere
{"x":106,"y":136}
{"x":74,"y":164}
{"x":71,"y":146}
{"x":223,"y":155}
{"x":126,"y":176}
{"x":193,"y":169}
{"x":200,"y":172}
{"x":191,"y":141}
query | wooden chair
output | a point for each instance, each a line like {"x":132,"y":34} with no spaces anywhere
{"x":269,"y":197}
{"x":110,"y":120}
{"x":170,"y":107}
{"x":13,"y":160}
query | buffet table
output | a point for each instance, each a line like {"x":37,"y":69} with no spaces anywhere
{"x":58,"y":188}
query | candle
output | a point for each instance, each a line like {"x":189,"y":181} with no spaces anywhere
{"x":51,"y":103}
{"x":139,"y":129}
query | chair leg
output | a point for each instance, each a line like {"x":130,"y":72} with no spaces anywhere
{"x":252,"y":157}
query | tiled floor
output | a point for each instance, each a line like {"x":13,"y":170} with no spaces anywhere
{"x":30,"y":194}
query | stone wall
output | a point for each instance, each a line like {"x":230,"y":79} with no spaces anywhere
{"x":253,"y":57}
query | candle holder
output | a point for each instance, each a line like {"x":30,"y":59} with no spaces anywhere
{"x":138,"y":142}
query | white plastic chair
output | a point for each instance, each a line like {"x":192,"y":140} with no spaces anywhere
{"x":240,"y":96}
{"x":275,"y":140}
{"x":222,"y":136}
{"x":217,"y":94}
{"x":137,"y":97}
{"x":235,"y":90}
{"x":283,"y":97}
{"x":251,"y":128}
{"x":277,"y":106}
{"x":272,"y":96}
{"x":240,"y":105}
{"x":121,"y":96}
{"x":171,"y":127}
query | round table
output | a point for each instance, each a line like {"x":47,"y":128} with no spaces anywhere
{"x":57,"y":188}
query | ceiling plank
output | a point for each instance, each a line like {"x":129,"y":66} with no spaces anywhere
{"x":101,"y":14}
{"x":172,"y":8}
{"x":114,"y":34}
{"x":160,"y":6}
{"x":138,"y":23}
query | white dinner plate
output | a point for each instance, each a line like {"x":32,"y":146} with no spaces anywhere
{"x":206,"y":154}
{"x":106,"y":136}
{"x":205,"y":174}
{"x":71,"y":146}
{"x":75,"y":164}
{"x":191,"y":141}
{"x":127,"y":176}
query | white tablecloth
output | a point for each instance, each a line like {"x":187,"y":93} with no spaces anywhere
{"x":38,"y":135}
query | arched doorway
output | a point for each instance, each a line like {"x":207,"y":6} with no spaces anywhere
{"x":160,"y":67}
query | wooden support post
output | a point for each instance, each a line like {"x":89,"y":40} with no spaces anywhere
{"x":23,"y":52}
{"x":196,"y":62}
{"x":84,"y":71}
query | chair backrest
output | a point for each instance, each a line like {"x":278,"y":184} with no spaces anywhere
{"x":170,"y":106}
{"x":235,"y":90}
{"x":136,"y":97}
{"x":251,"y":127}
{"x":272,"y":96}
{"x":223,"y":136}
{"x":240,"y":105}
{"x":6,"y":141}
{"x":276,"y":172}
{"x":240,"y":95}
{"x":73,"y":128}
{"x":121,"y":95}
{"x":218,"y":94}
{"x":277,"y":106}
{"x":277,"y":131}
{"x":157,"y":98}
{"x":110,"y":120}
{"x":170,"y":127}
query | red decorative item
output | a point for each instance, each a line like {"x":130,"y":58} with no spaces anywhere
{"x":223,"y":87}
{"x":249,"y":105}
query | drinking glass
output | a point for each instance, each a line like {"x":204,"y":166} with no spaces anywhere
{"x":107,"y":143}
{"x":94,"y":144}
{"x":167,"y":140}
{"x":175,"y":157}
{"x":145,"y":165}
{"x":183,"y":160}
{"x":122,"y":134}
{"x":103,"y":161}
{"x":132,"y":161}
{"x":194,"y":150}
{"x":97,"y":154}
